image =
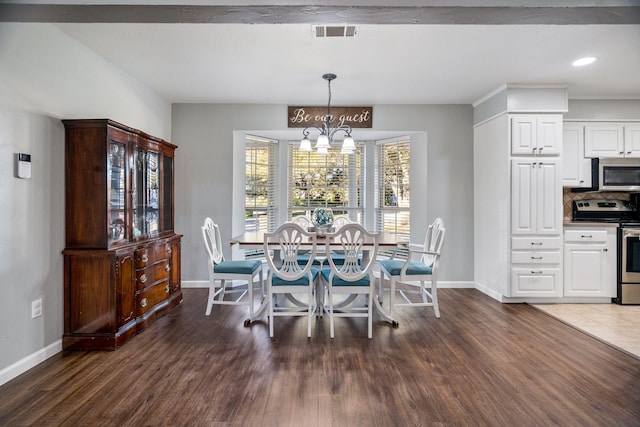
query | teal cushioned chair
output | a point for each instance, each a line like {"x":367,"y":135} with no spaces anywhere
{"x":350,"y":277}
{"x":222,"y":273}
{"x":409,"y":278}
{"x":287,"y":275}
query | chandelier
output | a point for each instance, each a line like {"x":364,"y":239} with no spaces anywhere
{"x":327,"y":132}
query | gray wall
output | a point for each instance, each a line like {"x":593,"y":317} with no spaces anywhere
{"x":442,"y":186}
{"x":46,"y":76}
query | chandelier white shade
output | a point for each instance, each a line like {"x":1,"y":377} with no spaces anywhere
{"x":327,"y":132}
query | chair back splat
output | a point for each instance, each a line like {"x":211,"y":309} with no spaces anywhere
{"x":223,"y":273}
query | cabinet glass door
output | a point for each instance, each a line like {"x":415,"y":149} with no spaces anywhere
{"x":116,"y":180}
{"x":167,"y":193}
{"x":145,"y":191}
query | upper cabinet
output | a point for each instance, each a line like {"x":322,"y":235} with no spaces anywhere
{"x":611,"y":140}
{"x":576,"y":169}
{"x":536,"y":134}
{"x":119,"y":185}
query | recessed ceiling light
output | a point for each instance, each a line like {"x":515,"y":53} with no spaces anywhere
{"x":584,"y":61}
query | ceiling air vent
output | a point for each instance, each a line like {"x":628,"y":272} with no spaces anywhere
{"x":321,"y":31}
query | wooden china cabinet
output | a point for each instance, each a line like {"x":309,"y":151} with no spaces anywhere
{"x":122,"y":255}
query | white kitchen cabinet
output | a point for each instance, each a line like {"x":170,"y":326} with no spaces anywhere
{"x":536,"y":282}
{"x":576,"y":168}
{"x":632,"y":138}
{"x":609,"y":140}
{"x":590,"y":262}
{"x":536,"y":266}
{"x":536,"y":134}
{"x":536,"y":196}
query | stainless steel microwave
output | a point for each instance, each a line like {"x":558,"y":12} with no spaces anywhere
{"x":619,"y":175}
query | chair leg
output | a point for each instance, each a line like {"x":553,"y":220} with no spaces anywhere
{"x":392,"y":296}
{"x":370,"y":315}
{"x":270,"y":293}
{"x":330,"y":297}
{"x":310,"y":309}
{"x":211,"y":297}
{"x":434,"y":297}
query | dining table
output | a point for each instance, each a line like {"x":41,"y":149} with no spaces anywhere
{"x":388,"y":241}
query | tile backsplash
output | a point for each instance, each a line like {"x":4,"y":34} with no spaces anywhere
{"x":568,"y":197}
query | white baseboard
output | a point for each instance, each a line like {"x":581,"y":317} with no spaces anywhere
{"x":194,"y":284}
{"x":21,"y":366}
{"x":490,"y":292}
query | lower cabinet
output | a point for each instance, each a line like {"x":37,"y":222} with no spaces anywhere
{"x":590,"y":262}
{"x":536,"y":266}
{"x":111,"y":295}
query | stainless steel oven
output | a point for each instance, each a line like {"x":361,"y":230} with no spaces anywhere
{"x":629,"y":265}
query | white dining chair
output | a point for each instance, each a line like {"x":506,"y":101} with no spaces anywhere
{"x":350,"y":277}
{"x":222,"y":273}
{"x":415,"y":279}
{"x":288,"y":275}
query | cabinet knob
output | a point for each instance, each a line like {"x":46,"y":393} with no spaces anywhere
{"x":536,"y":272}
{"x":581,"y":181}
{"x":536,"y":243}
{"x":169,"y":251}
{"x":143,"y":278}
{"x":144,"y":302}
{"x":621,"y":152}
{"x":605,"y":250}
{"x":144,"y":258}
{"x":540,"y":149}
{"x":536,"y":257}
{"x":586,"y":236}
{"x":628,"y":152}
{"x":167,"y":289}
{"x":167,"y":268}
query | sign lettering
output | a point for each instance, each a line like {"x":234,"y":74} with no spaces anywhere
{"x":356,"y":117}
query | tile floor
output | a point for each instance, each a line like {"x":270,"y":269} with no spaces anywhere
{"x":618,"y":325}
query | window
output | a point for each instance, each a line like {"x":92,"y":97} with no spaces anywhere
{"x":332,"y":180}
{"x":393,"y":189}
{"x":261,"y":161}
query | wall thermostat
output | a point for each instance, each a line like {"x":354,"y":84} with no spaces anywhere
{"x":24,"y":165}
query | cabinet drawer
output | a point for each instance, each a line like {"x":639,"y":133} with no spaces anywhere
{"x":144,"y":257}
{"x":162,"y":251}
{"x":145,"y":277}
{"x":531,"y":257}
{"x":536,"y":243}
{"x":148,"y":299}
{"x":585,"y":236}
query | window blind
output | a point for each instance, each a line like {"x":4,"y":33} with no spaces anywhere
{"x":393,"y":200}
{"x":332,"y":180}
{"x":261,"y":168}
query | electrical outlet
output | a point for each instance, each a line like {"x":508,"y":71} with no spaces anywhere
{"x":36,"y":308}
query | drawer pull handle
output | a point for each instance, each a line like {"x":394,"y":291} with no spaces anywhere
{"x":536,"y":272}
{"x":144,"y":258}
{"x":144,"y":302}
{"x":167,"y":268}
{"x":605,"y":250}
{"x":143,"y":278}
{"x":169,"y":251}
{"x":537,"y":243}
{"x":536,"y":257}
{"x":586,"y":236}
{"x":167,"y":289}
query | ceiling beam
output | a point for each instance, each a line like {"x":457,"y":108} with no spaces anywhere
{"x":418,"y":15}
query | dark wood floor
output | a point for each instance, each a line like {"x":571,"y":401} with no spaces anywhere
{"x":481,"y":364}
